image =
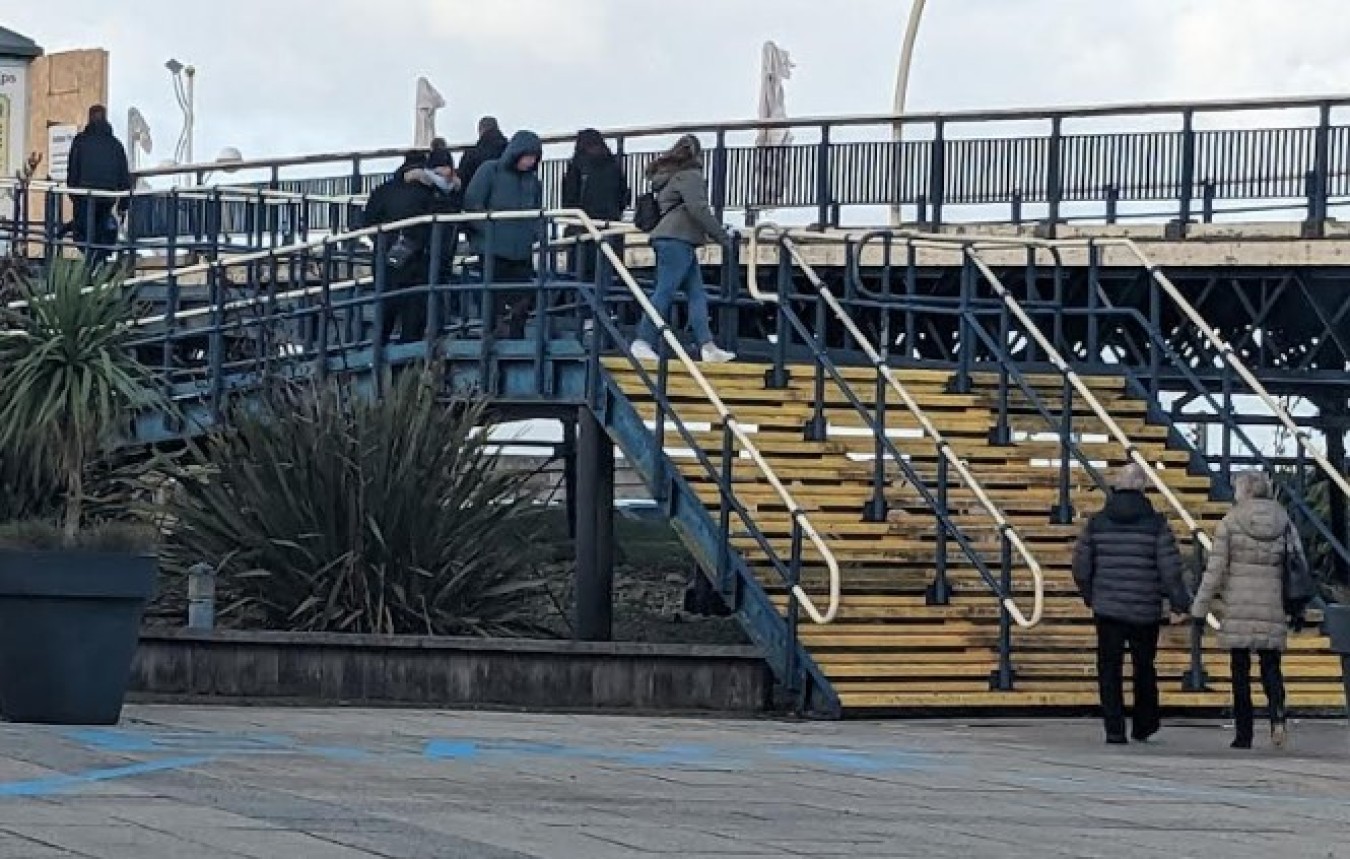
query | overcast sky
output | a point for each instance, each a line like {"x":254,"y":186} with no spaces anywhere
{"x":288,"y":76}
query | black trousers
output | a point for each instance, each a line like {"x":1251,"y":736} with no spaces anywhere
{"x":515,"y":305}
{"x":408,"y":313}
{"x":1272,"y":680}
{"x":1113,"y":638}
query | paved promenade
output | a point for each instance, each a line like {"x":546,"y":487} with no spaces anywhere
{"x":207,"y":783}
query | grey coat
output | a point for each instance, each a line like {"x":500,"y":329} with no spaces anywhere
{"x":1244,"y":582}
{"x":1126,"y":562}
{"x":683,"y":196}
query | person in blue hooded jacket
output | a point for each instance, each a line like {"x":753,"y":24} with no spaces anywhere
{"x":510,"y":184}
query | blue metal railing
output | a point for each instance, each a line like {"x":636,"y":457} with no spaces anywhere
{"x":1184,"y":171}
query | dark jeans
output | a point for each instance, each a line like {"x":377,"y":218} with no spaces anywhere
{"x":677,"y":270}
{"x":1272,"y":680}
{"x":1113,"y":637}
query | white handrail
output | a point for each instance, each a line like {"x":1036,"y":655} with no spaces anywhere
{"x":1005,"y":528}
{"x":967,"y":245}
{"x":593,"y":231}
{"x":1224,"y":348}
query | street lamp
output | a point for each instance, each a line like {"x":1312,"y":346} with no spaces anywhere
{"x":183,"y":89}
{"x":902,"y":90}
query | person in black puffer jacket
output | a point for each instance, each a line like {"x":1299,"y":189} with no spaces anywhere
{"x":1125,"y":563}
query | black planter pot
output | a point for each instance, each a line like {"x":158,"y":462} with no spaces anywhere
{"x":1336,"y":625}
{"x":69,"y":623}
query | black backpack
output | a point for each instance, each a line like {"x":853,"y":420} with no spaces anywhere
{"x":1300,"y":588}
{"x":647,"y":214}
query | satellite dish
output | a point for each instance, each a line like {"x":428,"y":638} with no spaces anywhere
{"x":229,"y":155}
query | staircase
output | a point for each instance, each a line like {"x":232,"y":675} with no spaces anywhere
{"x":889,"y":651}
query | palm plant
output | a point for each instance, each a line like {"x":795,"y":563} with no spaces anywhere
{"x":327,"y":510}
{"x":68,"y":385}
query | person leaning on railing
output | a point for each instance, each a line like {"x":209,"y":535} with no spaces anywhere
{"x":686,"y":223}
{"x":1124,"y":563}
{"x":1245,"y":575}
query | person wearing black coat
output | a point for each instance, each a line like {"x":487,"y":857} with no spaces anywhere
{"x":400,"y":198}
{"x":490,"y":146}
{"x":594,"y":183}
{"x":97,"y":162}
{"x":1126,"y":564}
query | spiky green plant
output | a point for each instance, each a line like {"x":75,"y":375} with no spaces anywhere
{"x":69,"y":382}
{"x":327,"y":510}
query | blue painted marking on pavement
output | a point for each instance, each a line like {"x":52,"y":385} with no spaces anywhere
{"x":120,"y":741}
{"x":679,"y":756}
{"x":66,"y":783}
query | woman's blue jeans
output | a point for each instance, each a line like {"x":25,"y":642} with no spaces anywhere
{"x":677,"y":269}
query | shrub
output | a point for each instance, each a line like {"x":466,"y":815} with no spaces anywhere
{"x":69,"y":385}
{"x":327,"y":510}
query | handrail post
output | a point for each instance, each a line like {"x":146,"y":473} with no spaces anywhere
{"x":778,"y":376}
{"x":1155,"y":346}
{"x":1196,"y":679}
{"x":661,"y":487}
{"x":719,"y":175}
{"x":911,"y":291}
{"x":1226,"y":426}
{"x":727,"y":479}
{"x":939,"y":592}
{"x":1004,"y":677}
{"x":817,"y":428}
{"x":1001,"y":433}
{"x":937,"y":175}
{"x":381,"y":290}
{"x":878,"y":508}
{"x":1064,"y":512}
{"x":325,"y":311}
{"x":795,"y":687}
{"x":1054,"y":177}
{"x":1094,"y":350}
{"x":1318,"y":189}
{"x":217,"y":342}
{"x":1187,"y":178}
{"x":1032,"y":276}
{"x":960,"y":383}
{"x":823,"y":179}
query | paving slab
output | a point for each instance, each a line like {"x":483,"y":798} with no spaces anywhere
{"x":259,"y":783}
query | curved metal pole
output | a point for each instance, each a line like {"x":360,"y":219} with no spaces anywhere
{"x":902,"y":86}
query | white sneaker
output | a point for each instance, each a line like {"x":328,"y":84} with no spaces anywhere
{"x":714,"y":355}
{"x":643,"y":351}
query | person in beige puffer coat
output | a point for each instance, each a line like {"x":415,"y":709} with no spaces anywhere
{"x":1244,"y":586}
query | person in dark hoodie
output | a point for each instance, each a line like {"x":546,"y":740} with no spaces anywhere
{"x":594,"y":183}
{"x":1125,"y":564}
{"x":510,"y":184}
{"x":490,"y":146}
{"x":97,"y":162}
{"x":399,"y":199}
{"x":687,"y":223}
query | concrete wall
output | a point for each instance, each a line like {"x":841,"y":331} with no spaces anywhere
{"x":317,"y":668}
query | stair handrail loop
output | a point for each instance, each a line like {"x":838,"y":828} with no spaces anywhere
{"x":594,"y":233}
{"x":1005,"y":528}
{"x":966,"y":244}
{"x":1225,"y":349}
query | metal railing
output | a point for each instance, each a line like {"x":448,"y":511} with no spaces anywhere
{"x":958,"y":159}
{"x":592,"y":232}
{"x":885,"y":372}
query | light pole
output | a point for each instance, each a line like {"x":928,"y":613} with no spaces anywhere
{"x":185,"y":93}
{"x":902,"y":92}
